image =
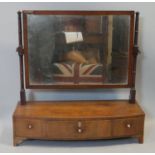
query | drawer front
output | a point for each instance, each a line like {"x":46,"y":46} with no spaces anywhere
{"x":78,"y":129}
{"x":128,"y":126}
{"x":28,"y":128}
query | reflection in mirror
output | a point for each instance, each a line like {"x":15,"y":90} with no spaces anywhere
{"x":76,"y":49}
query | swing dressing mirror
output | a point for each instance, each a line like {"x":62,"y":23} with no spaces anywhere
{"x":71,"y":49}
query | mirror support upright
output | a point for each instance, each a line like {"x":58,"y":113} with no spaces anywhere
{"x":20,"y":51}
{"x":135,"y":53}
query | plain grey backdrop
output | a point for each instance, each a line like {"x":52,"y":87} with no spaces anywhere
{"x":9,"y":80}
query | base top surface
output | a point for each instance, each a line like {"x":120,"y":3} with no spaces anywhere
{"x":78,"y":109}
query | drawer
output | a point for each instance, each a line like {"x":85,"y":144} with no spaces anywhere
{"x":28,"y":128}
{"x":80,"y":129}
{"x":128,"y":126}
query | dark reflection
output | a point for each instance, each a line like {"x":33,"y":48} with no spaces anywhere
{"x":64,"y":49}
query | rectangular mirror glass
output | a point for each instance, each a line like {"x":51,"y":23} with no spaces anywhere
{"x":77,"y":49}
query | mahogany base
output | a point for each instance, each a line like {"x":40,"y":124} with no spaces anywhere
{"x":77,"y":120}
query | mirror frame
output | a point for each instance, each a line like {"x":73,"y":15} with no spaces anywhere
{"x":86,"y":86}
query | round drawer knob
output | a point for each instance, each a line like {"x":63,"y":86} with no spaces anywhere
{"x":128,"y":125}
{"x":30,"y":126}
{"x":79,"y":130}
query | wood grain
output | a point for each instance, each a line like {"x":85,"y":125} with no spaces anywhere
{"x":91,"y":129}
{"x":78,"y":109}
{"x":130,"y":126}
{"x":78,"y":120}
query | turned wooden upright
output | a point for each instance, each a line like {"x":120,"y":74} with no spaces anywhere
{"x":20,"y":51}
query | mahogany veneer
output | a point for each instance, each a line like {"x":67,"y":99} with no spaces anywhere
{"x":77,"y":120}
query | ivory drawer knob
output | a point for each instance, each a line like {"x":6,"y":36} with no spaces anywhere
{"x":128,"y":125}
{"x":30,"y":126}
{"x":79,"y":124}
{"x":79,"y":130}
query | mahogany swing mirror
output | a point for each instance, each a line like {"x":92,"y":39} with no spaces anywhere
{"x":78,"y":49}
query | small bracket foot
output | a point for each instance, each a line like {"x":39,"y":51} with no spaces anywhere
{"x":141,"y":139}
{"x":18,"y":140}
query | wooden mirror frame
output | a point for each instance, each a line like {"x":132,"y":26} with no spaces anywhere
{"x":23,"y":51}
